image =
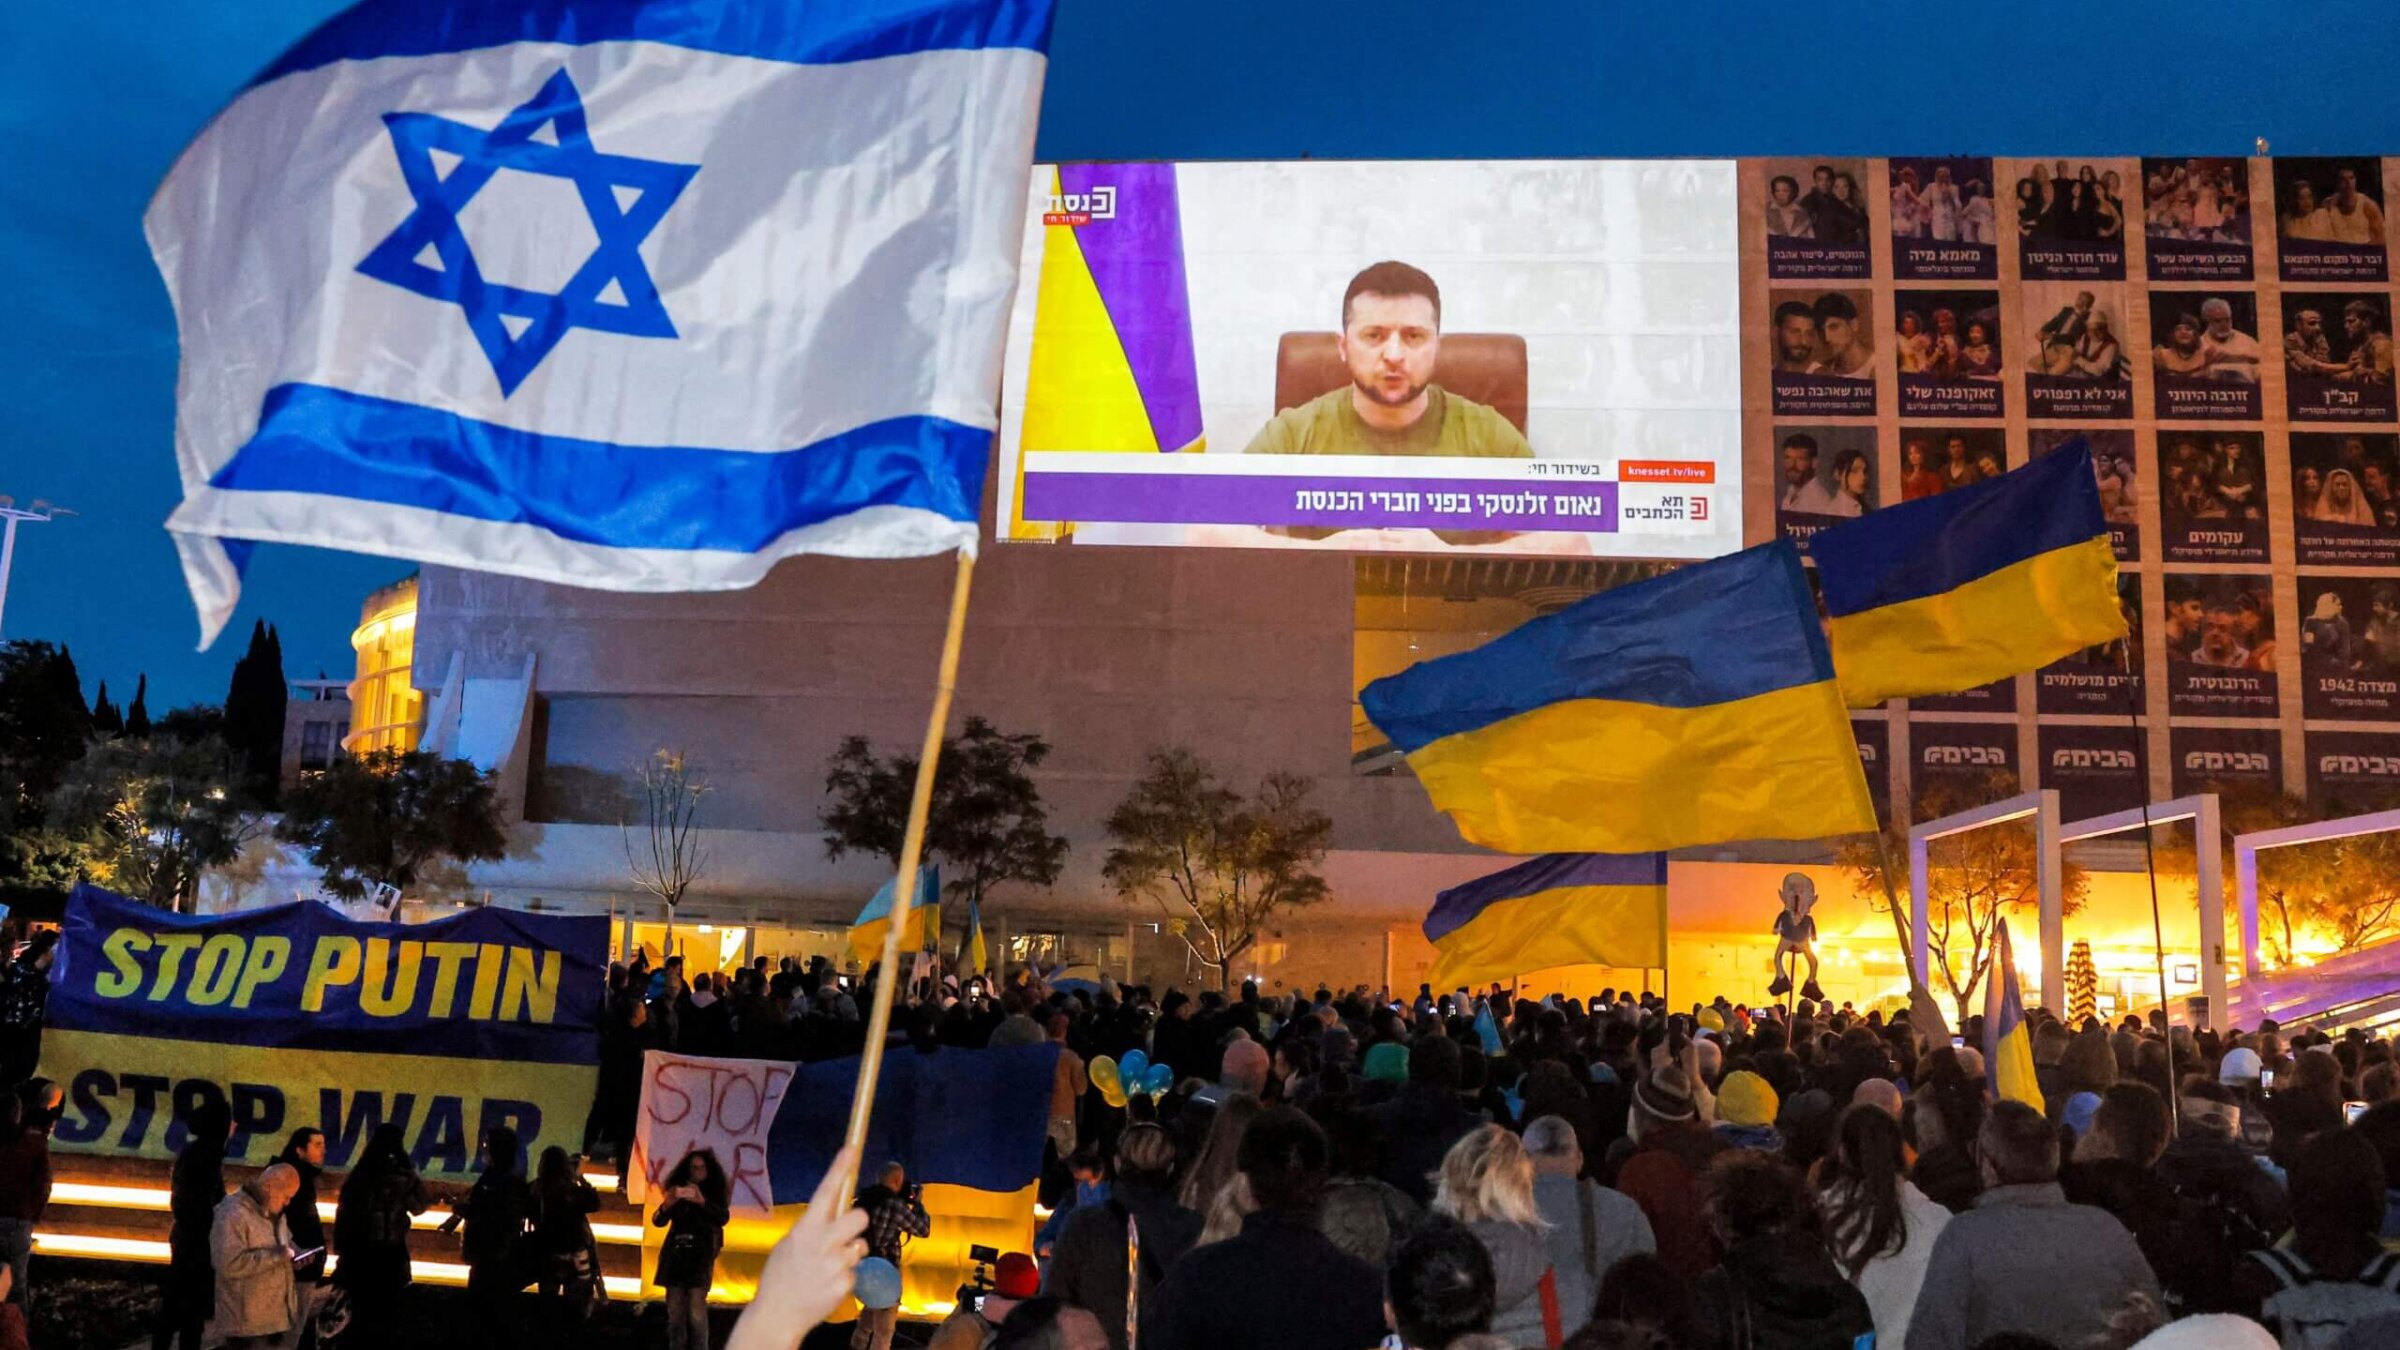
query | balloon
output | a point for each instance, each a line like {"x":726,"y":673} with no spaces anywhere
{"x":1159,"y":1081}
{"x":876,"y":1283}
{"x":1109,"y":1078}
{"x":1133,"y":1066}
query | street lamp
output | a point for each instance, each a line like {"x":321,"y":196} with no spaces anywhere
{"x":13,"y":515}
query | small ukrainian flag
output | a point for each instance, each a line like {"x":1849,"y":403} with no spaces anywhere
{"x":924,"y":930}
{"x":1563,"y":909}
{"x":1950,"y":592}
{"x":1692,"y":708}
{"x":2007,"y":1041}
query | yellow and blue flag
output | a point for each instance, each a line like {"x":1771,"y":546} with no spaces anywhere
{"x":972,"y":953}
{"x":2007,"y":1041}
{"x":1949,"y":592}
{"x":1692,"y":708}
{"x":1562,"y":909}
{"x":924,"y":920}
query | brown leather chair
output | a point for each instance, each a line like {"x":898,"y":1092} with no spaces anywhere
{"x":1488,"y":368}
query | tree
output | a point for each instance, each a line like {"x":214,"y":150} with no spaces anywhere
{"x":254,"y":708}
{"x":2342,"y":891}
{"x":43,"y":728}
{"x":2083,"y":984}
{"x":153,"y":815}
{"x":1217,"y":864}
{"x":670,"y":856}
{"x":986,"y":826}
{"x":137,"y":713}
{"x":107,"y":719}
{"x":385,"y":817}
{"x":1976,"y":878}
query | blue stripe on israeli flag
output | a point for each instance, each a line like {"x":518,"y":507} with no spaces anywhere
{"x":638,"y":296}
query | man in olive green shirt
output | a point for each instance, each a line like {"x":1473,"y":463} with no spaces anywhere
{"x":1391,"y":335}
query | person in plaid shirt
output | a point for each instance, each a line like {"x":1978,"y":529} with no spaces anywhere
{"x":895,"y":1213}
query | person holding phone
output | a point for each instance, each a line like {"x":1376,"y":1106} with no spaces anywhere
{"x":694,"y":1209}
{"x":258,"y":1302}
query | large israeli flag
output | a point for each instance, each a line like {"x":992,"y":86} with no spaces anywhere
{"x":630,"y":294}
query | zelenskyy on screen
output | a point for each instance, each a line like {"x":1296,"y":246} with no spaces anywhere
{"x":1520,"y":357}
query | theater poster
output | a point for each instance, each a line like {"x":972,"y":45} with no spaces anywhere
{"x":1824,"y":345}
{"x":2196,"y":219}
{"x":2346,"y":498}
{"x":1824,"y":475}
{"x":2212,"y":503}
{"x":2355,"y":768}
{"x":2096,"y":769}
{"x":2070,"y":216}
{"x":2205,"y":356}
{"x":2077,"y":363}
{"x":1874,"y":737}
{"x":2350,"y":648}
{"x":1944,"y":223}
{"x":2113,"y":466}
{"x":2209,"y":759}
{"x":2337,"y":356}
{"x":1501,"y":357}
{"x":2329,"y":223}
{"x":2222,"y":654}
{"x":1961,"y":754}
{"x":1816,"y":221}
{"x":2100,"y":681}
{"x":1948,"y":345}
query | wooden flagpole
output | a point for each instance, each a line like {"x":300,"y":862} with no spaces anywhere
{"x":904,"y":891}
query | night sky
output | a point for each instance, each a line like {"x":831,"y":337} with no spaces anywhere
{"x":96,"y":99}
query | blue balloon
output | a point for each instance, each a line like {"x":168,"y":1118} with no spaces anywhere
{"x":876,"y":1283}
{"x":1131,"y":1066}
{"x":1159,"y":1081}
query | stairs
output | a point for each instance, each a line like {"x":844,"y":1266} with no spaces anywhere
{"x":2361,"y":989}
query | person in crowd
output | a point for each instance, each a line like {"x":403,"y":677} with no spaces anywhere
{"x":2335,"y":1271}
{"x":1590,"y":1227}
{"x":187,"y":1293}
{"x":1363,"y":1214}
{"x":256,"y":1301}
{"x":496,"y":1211}
{"x":1426,"y":1118}
{"x":1045,"y":1323}
{"x":1671,"y":1148}
{"x":810,"y":1271}
{"x":24,"y":1176}
{"x":1486,"y":1183}
{"x":895,"y":1213}
{"x":304,"y":1153}
{"x":1439,"y":1288}
{"x":1089,"y":1267}
{"x":370,"y":1234}
{"x":2115,"y":1168}
{"x":1279,"y":1284}
{"x":694,"y":1209}
{"x":1878,"y":1225}
{"x":1746,"y":1108}
{"x":1214,"y":1167}
{"x":24,"y":1003}
{"x":624,"y":1037}
{"x":2024,"y":1260}
{"x":13,"y":1332}
{"x":1777,"y":1287}
{"x":566,"y":1262}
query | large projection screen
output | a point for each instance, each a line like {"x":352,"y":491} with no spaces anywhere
{"x":1186,"y":367}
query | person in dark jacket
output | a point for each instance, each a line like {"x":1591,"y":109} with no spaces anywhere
{"x":304,"y":1153}
{"x":1440,"y":1287}
{"x":1671,"y":1150}
{"x":24,"y":1175}
{"x":2114,"y":1168}
{"x":694,"y":1213}
{"x":24,"y":1004}
{"x":566,"y":1263}
{"x":496,"y":1212}
{"x":1777,"y":1287}
{"x":1279,"y":1284}
{"x":370,"y":1234}
{"x":2228,"y":1204}
{"x":1421,"y":1123}
{"x":188,"y":1293}
{"x":1088,"y":1264}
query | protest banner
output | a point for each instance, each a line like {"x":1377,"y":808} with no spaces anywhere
{"x":297,"y":1015}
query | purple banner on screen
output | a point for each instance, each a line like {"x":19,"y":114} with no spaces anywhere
{"x":1580,"y":506}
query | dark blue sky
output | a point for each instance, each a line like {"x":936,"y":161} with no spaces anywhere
{"x":95,"y":99}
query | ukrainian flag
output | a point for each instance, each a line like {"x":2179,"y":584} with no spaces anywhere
{"x":1111,"y":366}
{"x":971,"y":952}
{"x":1692,"y":708}
{"x":1950,"y":592}
{"x":924,"y":930}
{"x":1563,"y":909}
{"x":2007,"y":1043}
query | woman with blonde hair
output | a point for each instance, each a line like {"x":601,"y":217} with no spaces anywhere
{"x":1486,"y":1183}
{"x":1213,"y":1167}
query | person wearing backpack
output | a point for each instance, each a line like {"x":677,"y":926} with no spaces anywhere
{"x":370,"y":1235}
{"x":1088,"y":1267}
{"x":1591,"y":1226}
{"x":2334,"y":1271}
{"x":2228,"y":1204}
{"x":496,"y":1211}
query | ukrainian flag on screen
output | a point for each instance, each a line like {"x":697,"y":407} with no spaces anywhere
{"x":1562,"y":909}
{"x":1949,"y":592}
{"x":1692,"y":708}
{"x":924,"y":930}
{"x":2007,"y":1042}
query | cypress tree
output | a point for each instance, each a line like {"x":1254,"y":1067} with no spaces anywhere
{"x":137,"y":713}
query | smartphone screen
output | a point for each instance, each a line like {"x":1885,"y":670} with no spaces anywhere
{"x":1958,"y":1042}
{"x":2266,"y":1080}
{"x":2351,"y":1111}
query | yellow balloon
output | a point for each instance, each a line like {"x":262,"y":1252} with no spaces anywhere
{"x":1104,"y":1077}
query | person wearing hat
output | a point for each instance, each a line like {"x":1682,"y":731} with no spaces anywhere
{"x":1671,"y":1150}
{"x":1015,"y":1278}
{"x":1088,"y":1264}
{"x":1746,"y":1108}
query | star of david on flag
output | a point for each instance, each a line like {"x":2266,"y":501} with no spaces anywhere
{"x":624,"y":197}
{"x":631,"y":296}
